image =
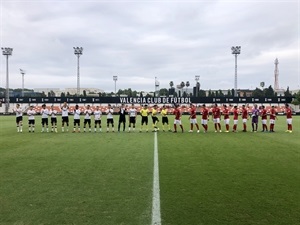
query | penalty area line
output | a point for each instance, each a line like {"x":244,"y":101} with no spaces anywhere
{"x":156,"y":217}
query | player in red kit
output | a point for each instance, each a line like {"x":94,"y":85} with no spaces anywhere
{"x":235,"y":118}
{"x":288,"y":112}
{"x":216,"y":113}
{"x":226,"y":118}
{"x":192,"y":118}
{"x":204,"y":118}
{"x":244,"y":118}
{"x":177,"y":120}
{"x":272,"y":118}
{"x":263,"y":114}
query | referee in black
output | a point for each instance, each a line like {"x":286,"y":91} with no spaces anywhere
{"x":122,"y":117}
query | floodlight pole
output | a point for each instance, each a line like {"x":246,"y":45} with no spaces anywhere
{"x":115,"y":78}
{"x":197,"y":78}
{"x":23,"y":73}
{"x":236,"y":51}
{"x":78,"y":52}
{"x":7,"y":52}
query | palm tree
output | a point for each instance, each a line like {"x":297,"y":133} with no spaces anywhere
{"x":187,"y":84}
{"x":171,"y":84}
{"x":182,"y":84}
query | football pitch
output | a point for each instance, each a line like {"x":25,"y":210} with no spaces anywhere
{"x":107,"y":178}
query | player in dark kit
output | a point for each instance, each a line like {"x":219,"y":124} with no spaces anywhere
{"x":122,"y":117}
{"x":272,"y":118}
{"x":255,"y":113}
{"x":263,"y":114}
{"x":177,"y":120}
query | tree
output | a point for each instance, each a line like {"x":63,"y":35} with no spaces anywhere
{"x":269,"y":92}
{"x":171,"y":84}
{"x":134,"y":94}
{"x":202,"y":93}
{"x":49,"y":94}
{"x":287,"y":93}
{"x":297,"y":99}
{"x":221,"y":94}
{"x":52,"y":93}
{"x":232,"y":92}
{"x":228,"y":93}
{"x":209,"y":93}
{"x":68,"y":94}
{"x":163,"y":92}
{"x":258,"y":93}
{"x":84,"y":93}
{"x":182,"y":84}
{"x":62,"y":94}
{"x":43,"y":94}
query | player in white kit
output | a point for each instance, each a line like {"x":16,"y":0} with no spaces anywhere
{"x":31,"y":120}
{"x":65,"y":116}
{"x":87,"y":118}
{"x":53,"y":114}
{"x":19,"y":117}
{"x":45,"y":114}
{"x":132,"y":112}
{"x":97,"y":118}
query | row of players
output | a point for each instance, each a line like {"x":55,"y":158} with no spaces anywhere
{"x":144,"y":112}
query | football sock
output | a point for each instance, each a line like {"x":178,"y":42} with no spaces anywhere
{"x":227,"y":127}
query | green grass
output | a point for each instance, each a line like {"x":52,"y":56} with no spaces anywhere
{"x":93,"y":178}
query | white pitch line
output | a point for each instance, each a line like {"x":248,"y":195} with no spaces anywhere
{"x":156,"y":219}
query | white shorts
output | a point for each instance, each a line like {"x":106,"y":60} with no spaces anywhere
{"x":193,"y":121}
{"x":289,"y":121}
{"x":264,"y":121}
{"x":272,"y":121}
{"x":244,"y":120}
{"x":204,"y":122}
{"x":217,"y":120}
{"x":177,"y":122}
{"x":235,"y":122}
{"x":226,"y":121}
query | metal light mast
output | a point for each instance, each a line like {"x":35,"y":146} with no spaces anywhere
{"x":78,"y":52}
{"x":156,"y":87}
{"x":115,"y":78}
{"x":276,"y":74}
{"x":197,"y":78}
{"x":236,"y":51}
{"x":7,"y":52}
{"x":23,"y":73}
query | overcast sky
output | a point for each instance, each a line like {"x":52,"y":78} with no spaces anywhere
{"x":141,"y":40}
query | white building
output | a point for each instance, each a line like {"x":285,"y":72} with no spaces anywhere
{"x":72,"y":91}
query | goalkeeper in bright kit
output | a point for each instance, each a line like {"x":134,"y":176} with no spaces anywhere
{"x":144,"y":113}
{"x":154,"y":118}
{"x":165,"y":119}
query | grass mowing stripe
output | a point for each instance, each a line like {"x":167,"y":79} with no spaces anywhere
{"x":156,"y":219}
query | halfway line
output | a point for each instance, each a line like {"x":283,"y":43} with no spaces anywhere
{"x":156,"y":219}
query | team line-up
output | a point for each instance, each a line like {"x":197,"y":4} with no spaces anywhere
{"x":132,"y":114}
